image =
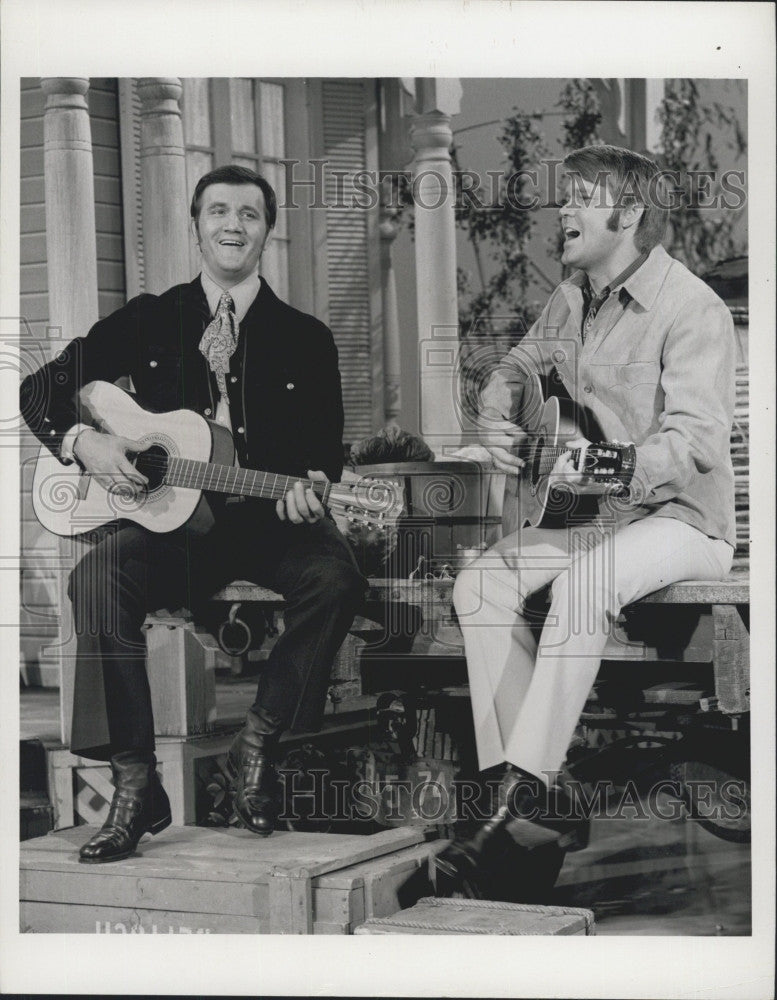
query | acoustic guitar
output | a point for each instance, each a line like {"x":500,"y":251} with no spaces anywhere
{"x":185,"y":458}
{"x":531,"y":498}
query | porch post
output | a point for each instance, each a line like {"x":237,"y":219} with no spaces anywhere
{"x":394,"y":153}
{"x":71,"y":241}
{"x":435,"y":254}
{"x":71,"y":251}
{"x":392,"y":369}
{"x":163,"y":173}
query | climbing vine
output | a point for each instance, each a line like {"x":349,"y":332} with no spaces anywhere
{"x":700,"y":236}
{"x":500,"y":229}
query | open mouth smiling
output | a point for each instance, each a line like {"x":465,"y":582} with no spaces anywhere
{"x":570,"y":233}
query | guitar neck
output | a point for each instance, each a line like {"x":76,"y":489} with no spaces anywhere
{"x":551,"y":452}
{"x":234,"y":480}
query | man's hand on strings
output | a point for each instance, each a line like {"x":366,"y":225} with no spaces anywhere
{"x":105,"y":457}
{"x":498,"y":435}
{"x":566,"y":473}
{"x":301,"y":504}
{"x":500,"y":438}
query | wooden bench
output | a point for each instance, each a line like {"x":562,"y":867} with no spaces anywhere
{"x":182,"y":682}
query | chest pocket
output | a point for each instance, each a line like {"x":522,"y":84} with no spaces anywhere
{"x":633,"y":391}
{"x":159,"y":378}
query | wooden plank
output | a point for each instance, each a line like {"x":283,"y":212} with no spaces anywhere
{"x":87,"y":919}
{"x":346,"y":850}
{"x":323,"y":927}
{"x":437,"y":594}
{"x":731,"y":660}
{"x":674,"y":693}
{"x":105,"y":888}
{"x":731,"y":591}
{"x":335,"y":905}
{"x":382,"y":889}
{"x":223,"y":854}
{"x":290,"y":905}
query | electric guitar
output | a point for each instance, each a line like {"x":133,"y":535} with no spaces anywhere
{"x":531,"y":498}
{"x":184,"y":457}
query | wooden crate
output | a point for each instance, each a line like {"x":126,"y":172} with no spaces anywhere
{"x":481,"y":916}
{"x":195,"y":880}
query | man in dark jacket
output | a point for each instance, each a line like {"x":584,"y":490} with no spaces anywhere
{"x":226,"y":347}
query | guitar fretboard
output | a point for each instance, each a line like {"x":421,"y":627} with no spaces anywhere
{"x":232,"y":479}
{"x":549,"y":455}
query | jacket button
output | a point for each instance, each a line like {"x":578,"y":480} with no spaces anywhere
{"x":233,"y":379}
{"x":241,"y":430}
{"x":588,"y":388}
{"x":152,"y":364}
{"x":207,"y":412}
{"x":289,"y":385}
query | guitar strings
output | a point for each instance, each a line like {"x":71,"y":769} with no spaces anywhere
{"x":224,"y":479}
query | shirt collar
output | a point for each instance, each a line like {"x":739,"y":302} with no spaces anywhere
{"x":644,"y":285}
{"x":243,"y":294}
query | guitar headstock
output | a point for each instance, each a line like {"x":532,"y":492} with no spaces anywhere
{"x":376,"y":503}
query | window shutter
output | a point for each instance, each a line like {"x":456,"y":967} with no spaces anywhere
{"x":348,"y":250}
{"x":108,"y":199}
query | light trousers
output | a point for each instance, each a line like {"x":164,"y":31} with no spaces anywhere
{"x":526,"y":695}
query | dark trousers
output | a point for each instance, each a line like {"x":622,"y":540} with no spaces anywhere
{"x":132,"y":571}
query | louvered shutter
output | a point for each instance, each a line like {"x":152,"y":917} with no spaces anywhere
{"x":108,"y":199}
{"x":349,"y":251}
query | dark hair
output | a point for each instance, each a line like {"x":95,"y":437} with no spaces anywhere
{"x":630,"y":177}
{"x":232,"y":174}
{"x":391,"y":444}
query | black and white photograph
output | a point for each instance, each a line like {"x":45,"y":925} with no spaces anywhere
{"x":389,"y":498}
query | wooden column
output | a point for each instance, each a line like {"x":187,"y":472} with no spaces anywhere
{"x":435,"y":254}
{"x":394,"y":153}
{"x":71,"y":243}
{"x":392,"y":366}
{"x":71,"y":249}
{"x":163,"y":165}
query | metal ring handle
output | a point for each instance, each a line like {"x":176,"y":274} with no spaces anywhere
{"x":233,"y":622}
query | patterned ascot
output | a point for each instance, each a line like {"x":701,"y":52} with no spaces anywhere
{"x":219,"y":341}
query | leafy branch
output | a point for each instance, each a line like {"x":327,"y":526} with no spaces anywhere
{"x":699,"y":236}
{"x":501,"y":229}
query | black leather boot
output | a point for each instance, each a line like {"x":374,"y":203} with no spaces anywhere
{"x":249,"y":762}
{"x":464,"y":862}
{"x":139,"y":805}
{"x":475,"y":866}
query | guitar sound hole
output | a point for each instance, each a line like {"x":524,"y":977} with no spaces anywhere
{"x":153,"y":464}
